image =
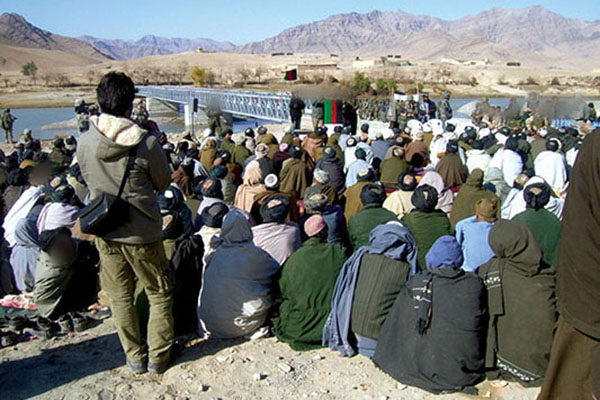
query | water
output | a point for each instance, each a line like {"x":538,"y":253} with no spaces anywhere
{"x":36,"y":118}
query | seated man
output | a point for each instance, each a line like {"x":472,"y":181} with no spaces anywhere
{"x":66,"y":278}
{"x":447,"y":350}
{"x":472,"y":234}
{"x":275,"y":236}
{"x":373,"y":214}
{"x":306,"y":284}
{"x":367,"y":288}
{"x":238,"y":281}
{"x":522,"y":305}
{"x":337,"y":231}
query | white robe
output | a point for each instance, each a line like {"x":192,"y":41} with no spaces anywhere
{"x":478,"y":159}
{"x":553,"y":168}
{"x":517,"y":204}
{"x":509,"y":162}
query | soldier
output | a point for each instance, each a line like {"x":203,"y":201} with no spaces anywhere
{"x":140,"y":113}
{"x":318,"y":114}
{"x":411,"y":107}
{"x":82,"y":115}
{"x":7,"y":124}
{"x":297,"y":106}
{"x":445,"y":110}
{"x":25,"y":137}
{"x":592,"y":115}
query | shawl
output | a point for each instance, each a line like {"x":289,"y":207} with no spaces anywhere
{"x":24,"y":255}
{"x":208,"y":154}
{"x":354,"y":169}
{"x":335,"y":169}
{"x":471,"y":192}
{"x":57,"y":215}
{"x":426,"y":228}
{"x":280,"y":240}
{"x":20,"y":210}
{"x":546,"y":229}
{"x":244,"y":197}
{"x":353,"y":203}
{"x":294,"y":177}
{"x":399,"y":203}
{"x":416,"y":153}
{"x":238,"y":281}
{"x":552,"y":167}
{"x":578,"y":262}
{"x":391,"y":168}
{"x":390,"y":240}
{"x":518,"y":204}
{"x":445,"y":196}
{"x":183,"y":177}
{"x":452,"y":171}
{"x":521,"y":303}
{"x":493,"y":181}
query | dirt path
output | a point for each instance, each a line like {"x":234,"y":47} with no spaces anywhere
{"x":91,"y":366}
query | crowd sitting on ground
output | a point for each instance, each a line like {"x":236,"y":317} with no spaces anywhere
{"x":432,"y":250}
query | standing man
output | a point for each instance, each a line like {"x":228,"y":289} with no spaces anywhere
{"x":296,"y":110}
{"x":133,"y":249}
{"x":7,"y":124}
{"x":82,"y":116}
{"x":445,"y":110}
{"x":318,"y":114}
{"x":140,"y":113}
{"x":427,"y":109}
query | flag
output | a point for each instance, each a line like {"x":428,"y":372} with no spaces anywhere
{"x":291,"y":75}
{"x":333,"y":112}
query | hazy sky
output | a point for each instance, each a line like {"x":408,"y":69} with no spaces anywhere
{"x":239,"y":21}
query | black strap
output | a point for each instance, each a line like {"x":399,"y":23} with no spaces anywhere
{"x":128,"y":168}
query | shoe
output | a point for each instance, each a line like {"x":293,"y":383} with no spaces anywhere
{"x":80,"y":323}
{"x":160,"y":367}
{"x":41,"y":334}
{"x":137,"y":368}
{"x":65,"y":324}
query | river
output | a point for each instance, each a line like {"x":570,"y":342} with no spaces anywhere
{"x":36,"y":118}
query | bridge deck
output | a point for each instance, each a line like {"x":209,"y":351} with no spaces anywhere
{"x":261,"y":105}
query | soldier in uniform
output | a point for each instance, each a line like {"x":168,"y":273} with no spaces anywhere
{"x":140,"y":113}
{"x":411,"y":107}
{"x":82,"y":115}
{"x":7,"y":124}
{"x":427,"y":109}
{"x":592,"y":114}
{"x":445,"y":109}
{"x":318,"y":114}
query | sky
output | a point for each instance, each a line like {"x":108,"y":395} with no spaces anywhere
{"x":240,"y":21}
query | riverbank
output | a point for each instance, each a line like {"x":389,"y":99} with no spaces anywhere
{"x":44,"y":98}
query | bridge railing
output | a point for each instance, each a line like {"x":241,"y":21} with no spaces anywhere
{"x":262,"y":105}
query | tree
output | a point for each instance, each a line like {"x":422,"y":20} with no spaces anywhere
{"x":244,"y":74}
{"x":47,"y":78}
{"x":91,"y":76}
{"x":181,"y":71}
{"x":198,"y":75}
{"x":260,"y":72}
{"x":361,"y":82}
{"x":384,"y":85}
{"x":30,"y":69}
{"x":62,"y":80}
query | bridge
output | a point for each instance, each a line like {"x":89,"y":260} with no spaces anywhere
{"x":243,"y":103}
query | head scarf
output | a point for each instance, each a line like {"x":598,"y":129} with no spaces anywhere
{"x":537,"y":195}
{"x":235,"y":231}
{"x":425,"y":198}
{"x":314,"y":225}
{"x":213,"y":215}
{"x":445,"y":253}
{"x":275,"y":209}
{"x":372,"y":194}
{"x":407,"y":186}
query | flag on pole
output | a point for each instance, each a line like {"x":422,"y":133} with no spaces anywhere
{"x":333,"y":112}
{"x":291,"y":75}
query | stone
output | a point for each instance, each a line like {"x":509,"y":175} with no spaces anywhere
{"x":259,"y":377}
{"x":203,"y":387}
{"x":221,"y":358}
{"x":285,"y":367}
{"x":318,"y":357}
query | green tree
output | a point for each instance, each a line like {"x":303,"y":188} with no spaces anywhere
{"x":361,"y":82}
{"x":30,"y":69}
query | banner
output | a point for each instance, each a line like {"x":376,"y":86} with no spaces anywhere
{"x":291,"y":75}
{"x":333,"y":112}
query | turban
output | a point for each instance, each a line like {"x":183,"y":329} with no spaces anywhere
{"x":445,"y":253}
{"x":425,"y":198}
{"x":372,"y":194}
{"x":361,"y":154}
{"x":365,"y":174}
{"x":212,"y":188}
{"x":315,"y":203}
{"x":219,"y":172}
{"x":314,"y":225}
{"x":275,"y":209}
{"x":272,"y":182}
{"x":407,"y":182}
{"x":321,"y":176}
{"x":295,"y":151}
{"x":172,"y":226}
{"x":537,"y":195}
{"x":452,"y":147}
{"x":213,"y":215}
{"x":486,"y":209}
{"x":62,"y":194}
{"x":329,"y":152}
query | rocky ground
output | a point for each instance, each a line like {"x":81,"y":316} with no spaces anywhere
{"x":91,"y":366}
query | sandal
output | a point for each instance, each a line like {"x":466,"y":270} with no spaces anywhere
{"x":80,"y":322}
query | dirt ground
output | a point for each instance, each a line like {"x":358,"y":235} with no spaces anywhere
{"x":91,"y":366}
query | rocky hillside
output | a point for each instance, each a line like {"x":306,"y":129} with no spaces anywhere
{"x":15,"y":31}
{"x":151,"y":45}
{"x":496,"y":33}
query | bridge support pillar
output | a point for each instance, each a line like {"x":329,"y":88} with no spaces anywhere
{"x":188,"y":111}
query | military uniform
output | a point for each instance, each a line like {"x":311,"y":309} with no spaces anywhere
{"x":7,"y":124}
{"x":140,"y":114}
{"x":445,"y":110}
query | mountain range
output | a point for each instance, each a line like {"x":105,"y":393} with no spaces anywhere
{"x":151,"y":45}
{"x":529,"y":34}
{"x":496,"y":33}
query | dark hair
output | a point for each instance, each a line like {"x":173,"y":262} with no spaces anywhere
{"x":116,"y":93}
